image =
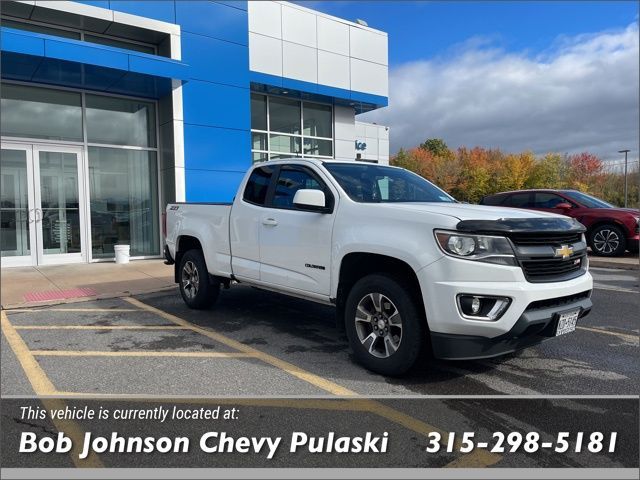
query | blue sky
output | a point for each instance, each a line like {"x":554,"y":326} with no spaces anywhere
{"x":423,"y":29}
{"x":548,"y":76}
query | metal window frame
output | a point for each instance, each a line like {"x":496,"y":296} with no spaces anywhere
{"x":270,"y":152}
{"x":82,"y":33}
{"x":85,"y":160}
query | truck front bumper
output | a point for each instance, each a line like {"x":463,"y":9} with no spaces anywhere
{"x":530,"y":318}
{"x":536,"y":324}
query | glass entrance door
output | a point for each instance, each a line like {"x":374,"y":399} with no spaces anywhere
{"x":17,"y":211}
{"x":45,"y":225}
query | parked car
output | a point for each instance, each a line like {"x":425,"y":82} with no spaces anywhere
{"x":405,"y":265}
{"x":610,"y":230}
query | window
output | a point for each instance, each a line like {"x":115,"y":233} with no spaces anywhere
{"x":41,"y":113}
{"x":519,"y":200}
{"x":120,"y":121}
{"x":587,"y":200}
{"x":124,"y":200}
{"x":75,"y":34}
{"x":37,"y":28}
{"x":492,"y":200}
{"x":375,"y":184}
{"x":290,"y":180}
{"x":257,"y":186}
{"x":547,"y":200}
{"x":284,"y":128}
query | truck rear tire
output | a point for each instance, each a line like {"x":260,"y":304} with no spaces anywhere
{"x":195,"y":287}
{"x":385,"y":327}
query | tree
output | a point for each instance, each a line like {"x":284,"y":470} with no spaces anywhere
{"x":436,"y":147}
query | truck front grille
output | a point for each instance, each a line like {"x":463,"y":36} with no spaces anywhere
{"x":536,"y":253}
{"x":553,"y":239}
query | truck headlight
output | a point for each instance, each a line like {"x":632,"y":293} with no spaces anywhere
{"x":481,"y":248}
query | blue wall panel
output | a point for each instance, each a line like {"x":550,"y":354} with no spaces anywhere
{"x":216,"y":105}
{"x":164,"y":10}
{"x":210,"y":148}
{"x":241,"y":4}
{"x":95,"y":3}
{"x":214,"y":20}
{"x":215,"y":60}
{"x":211,"y":185}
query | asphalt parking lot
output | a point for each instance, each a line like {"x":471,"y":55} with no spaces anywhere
{"x":257,"y":343}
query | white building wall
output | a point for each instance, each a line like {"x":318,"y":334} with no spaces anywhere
{"x":345,"y":133}
{"x":288,"y":40}
{"x":372,"y":142}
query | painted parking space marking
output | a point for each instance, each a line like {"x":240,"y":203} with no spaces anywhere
{"x":46,"y":310}
{"x":124,"y":353}
{"x":475,"y":459}
{"x":624,"y":336}
{"x":43,"y":386}
{"x":99,"y":327}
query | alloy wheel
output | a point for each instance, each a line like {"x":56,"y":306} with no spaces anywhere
{"x":190,"y":279}
{"x":378,"y":325}
{"x":606,"y":241}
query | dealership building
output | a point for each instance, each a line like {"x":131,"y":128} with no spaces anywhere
{"x":111,"y":109}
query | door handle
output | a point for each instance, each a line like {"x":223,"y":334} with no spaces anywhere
{"x":38,"y":214}
{"x":29,"y":217}
{"x":272,"y":222}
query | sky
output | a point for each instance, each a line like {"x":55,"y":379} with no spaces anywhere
{"x":542,"y":76}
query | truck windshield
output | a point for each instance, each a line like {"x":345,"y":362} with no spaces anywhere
{"x":378,"y":184}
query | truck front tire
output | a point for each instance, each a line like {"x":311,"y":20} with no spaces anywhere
{"x":195,"y":287}
{"x":385,"y":327}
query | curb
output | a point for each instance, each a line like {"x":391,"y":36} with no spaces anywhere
{"x":604,"y":263}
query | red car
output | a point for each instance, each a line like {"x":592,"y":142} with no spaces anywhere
{"x":610,"y":230}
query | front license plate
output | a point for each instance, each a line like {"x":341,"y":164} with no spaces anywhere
{"x":567,"y":322}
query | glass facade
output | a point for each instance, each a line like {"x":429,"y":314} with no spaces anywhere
{"x":119,"y":141}
{"x":41,"y":113}
{"x":283,"y":128}
{"x":123,"y":189}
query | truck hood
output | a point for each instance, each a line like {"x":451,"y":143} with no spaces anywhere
{"x":464,"y":211}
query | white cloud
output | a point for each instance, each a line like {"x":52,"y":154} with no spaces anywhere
{"x":581,"y":94}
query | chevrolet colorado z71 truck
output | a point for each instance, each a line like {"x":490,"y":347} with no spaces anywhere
{"x":405,"y":265}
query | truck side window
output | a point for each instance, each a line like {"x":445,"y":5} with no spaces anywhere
{"x":256,"y":190}
{"x":290,"y":181}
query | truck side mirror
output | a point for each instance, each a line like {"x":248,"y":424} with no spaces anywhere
{"x":309,"y":199}
{"x":564,"y":206}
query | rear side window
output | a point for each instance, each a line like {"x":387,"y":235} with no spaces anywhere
{"x":493,"y":200}
{"x":256,"y":190}
{"x":290,"y":181}
{"x":519,"y":200}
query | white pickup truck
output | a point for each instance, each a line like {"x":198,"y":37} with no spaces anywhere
{"x":406,"y":266}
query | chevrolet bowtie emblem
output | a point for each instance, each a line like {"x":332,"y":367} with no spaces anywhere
{"x":564,"y":251}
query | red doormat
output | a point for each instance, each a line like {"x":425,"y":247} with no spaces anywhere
{"x":59,"y":294}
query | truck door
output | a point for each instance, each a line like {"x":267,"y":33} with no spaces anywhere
{"x":244,"y":224}
{"x":295,"y":245}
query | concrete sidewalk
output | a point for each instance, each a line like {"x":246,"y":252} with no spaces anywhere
{"x":46,"y":285}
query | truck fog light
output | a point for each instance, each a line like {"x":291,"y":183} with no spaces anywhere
{"x":475,"y":305}
{"x":481,"y":307}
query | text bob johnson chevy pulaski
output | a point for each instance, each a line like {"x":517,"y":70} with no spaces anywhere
{"x":210,"y":442}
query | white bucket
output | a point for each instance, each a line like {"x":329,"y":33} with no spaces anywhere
{"x":122,"y":253}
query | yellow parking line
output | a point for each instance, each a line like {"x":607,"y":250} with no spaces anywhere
{"x":42,"y":386}
{"x":294,"y":370}
{"x":477,"y":458}
{"x":98,"y":327}
{"x":624,"y":336}
{"x":95,"y":353}
{"x":38,"y":379}
{"x":44,"y":310}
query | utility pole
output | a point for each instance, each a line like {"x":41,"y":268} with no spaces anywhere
{"x":625,"y":175}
